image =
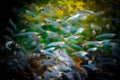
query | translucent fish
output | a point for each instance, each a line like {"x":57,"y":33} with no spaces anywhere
{"x":23,"y":30}
{"x":32,"y":38}
{"x":8,"y":38}
{"x":90,"y":66}
{"x":66,"y":30}
{"x":95,"y":27}
{"x":108,"y":27}
{"x":106,"y":42}
{"x":69,"y":25}
{"x":44,"y":10}
{"x":13,"y":25}
{"x":82,"y":54}
{"x":77,"y":16}
{"x":64,"y":68}
{"x":79,"y":30}
{"x":26,"y":34}
{"x":75,"y":46}
{"x":98,"y":13}
{"x":47,"y":53}
{"x":55,"y":44}
{"x":92,"y":43}
{"x":113,"y":19}
{"x":86,"y":11}
{"x":64,"y":57}
{"x":106,"y":36}
{"x":72,"y":38}
{"x":37,"y":48}
{"x":10,"y":31}
{"x":68,"y":76}
{"x":93,"y":33}
{"x":34,"y":55}
{"x":49,"y":21}
{"x":31,"y":13}
{"x":73,"y":17}
{"x":92,"y":49}
{"x":51,"y":49}
{"x":8,"y":44}
{"x":49,"y":62}
{"x":20,"y":67}
{"x":109,"y":43}
{"x":53,"y":74}
{"x":52,"y":35}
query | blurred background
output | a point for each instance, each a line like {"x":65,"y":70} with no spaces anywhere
{"x":59,"y":39}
